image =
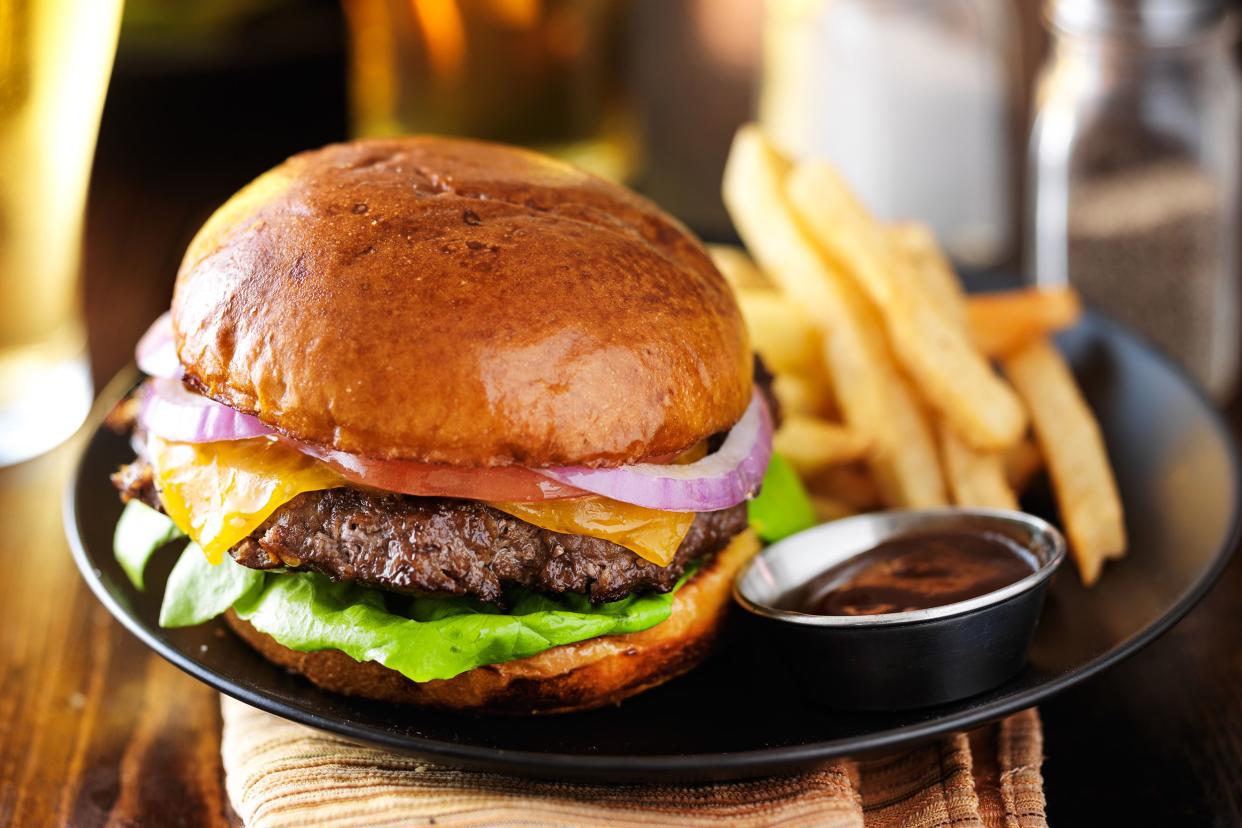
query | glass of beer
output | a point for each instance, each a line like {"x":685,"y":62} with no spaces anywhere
{"x":540,"y":73}
{"x":55,"y":60}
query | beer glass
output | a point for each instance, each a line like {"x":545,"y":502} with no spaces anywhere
{"x":55,"y":60}
{"x":541,"y":73}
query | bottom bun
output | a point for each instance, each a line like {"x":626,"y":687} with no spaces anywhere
{"x":578,"y":676}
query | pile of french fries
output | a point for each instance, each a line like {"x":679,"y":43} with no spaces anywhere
{"x":885,"y":368}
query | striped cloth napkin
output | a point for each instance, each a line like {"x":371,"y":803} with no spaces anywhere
{"x":283,"y":774}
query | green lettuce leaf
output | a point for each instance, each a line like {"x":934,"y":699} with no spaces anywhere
{"x":198,"y":591}
{"x":782,"y":506}
{"x":139,"y":533}
{"x":435,"y":638}
{"x":421,"y":638}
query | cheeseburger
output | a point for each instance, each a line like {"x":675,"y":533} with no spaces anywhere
{"x":448,"y":423}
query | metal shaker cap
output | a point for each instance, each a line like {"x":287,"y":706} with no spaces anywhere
{"x":1154,"y":21}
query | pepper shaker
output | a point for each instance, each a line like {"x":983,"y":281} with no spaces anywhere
{"x":1133,"y":173}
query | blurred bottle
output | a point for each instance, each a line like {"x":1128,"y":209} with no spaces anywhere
{"x":913,"y":100}
{"x":540,"y":73}
{"x":1134,"y":173}
{"x":55,"y":59}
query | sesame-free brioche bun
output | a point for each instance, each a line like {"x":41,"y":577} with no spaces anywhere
{"x":457,"y":302}
{"x":571,"y":677}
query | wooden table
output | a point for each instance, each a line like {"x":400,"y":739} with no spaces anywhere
{"x":95,"y":729}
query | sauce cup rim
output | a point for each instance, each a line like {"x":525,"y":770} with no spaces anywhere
{"x":898,"y":522}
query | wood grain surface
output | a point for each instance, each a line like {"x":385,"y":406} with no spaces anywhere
{"x":95,"y":730}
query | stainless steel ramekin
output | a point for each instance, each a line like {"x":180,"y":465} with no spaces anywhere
{"x":904,"y":659}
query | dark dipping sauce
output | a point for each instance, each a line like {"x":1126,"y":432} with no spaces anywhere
{"x":913,"y":572}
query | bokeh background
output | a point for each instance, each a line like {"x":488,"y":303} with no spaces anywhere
{"x":206,"y":95}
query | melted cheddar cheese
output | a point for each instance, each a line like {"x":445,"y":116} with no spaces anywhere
{"x":218,"y":493}
{"x":650,"y":534}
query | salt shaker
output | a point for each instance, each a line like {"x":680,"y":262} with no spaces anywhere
{"x":1133,"y":173}
{"x":912,"y":100}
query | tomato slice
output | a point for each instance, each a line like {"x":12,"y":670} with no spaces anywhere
{"x":512,"y":483}
{"x":502,"y":483}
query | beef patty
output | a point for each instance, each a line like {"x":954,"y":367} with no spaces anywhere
{"x":442,"y":546}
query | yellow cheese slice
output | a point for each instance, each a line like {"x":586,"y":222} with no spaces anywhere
{"x":218,"y":493}
{"x":651,"y":534}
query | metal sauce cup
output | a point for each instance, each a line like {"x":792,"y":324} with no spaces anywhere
{"x":903,"y":659}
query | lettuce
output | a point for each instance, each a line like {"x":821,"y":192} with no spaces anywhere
{"x":198,"y":591}
{"x":139,"y":533}
{"x":435,"y":638}
{"x":782,"y":506}
{"x":421,"y":638}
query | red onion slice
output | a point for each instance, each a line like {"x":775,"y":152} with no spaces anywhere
{"x":156,"y":353}
{"x":725,"y":478}
{"x":172,"y":411}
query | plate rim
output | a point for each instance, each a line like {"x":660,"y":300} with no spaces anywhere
{"x":729,"y":764}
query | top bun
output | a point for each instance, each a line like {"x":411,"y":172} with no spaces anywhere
{"x":457,"y":302}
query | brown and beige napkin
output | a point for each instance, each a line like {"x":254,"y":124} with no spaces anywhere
{"x":283,"y":774}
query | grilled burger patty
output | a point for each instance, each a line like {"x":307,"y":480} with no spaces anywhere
{"x":442,"y":546}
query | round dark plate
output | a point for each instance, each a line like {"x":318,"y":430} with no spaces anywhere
{"x":734,"y":717}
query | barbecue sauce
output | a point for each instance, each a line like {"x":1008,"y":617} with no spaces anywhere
{"x":915,"y":571}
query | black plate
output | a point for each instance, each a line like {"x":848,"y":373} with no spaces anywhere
{"x":1179,"y":476}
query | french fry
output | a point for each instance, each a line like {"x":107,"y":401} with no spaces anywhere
{"x":811,"y":397}
{"x":851,"y":484}
{"x":1069,"y":438}
{"x":872,"y":393}
{"x":1022,"y":462}
{"x":738,"y":268}
{"x":998,"y":322}
{"x":916,"y":245}
{"x":1004,"y":321}
{"x":782,"y":334}
{"x":827,"y":508}
{"x":791,"y":348}
{"x":937,"y":354}
{"x":975,"y":478}
{"x":811,"y":445}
